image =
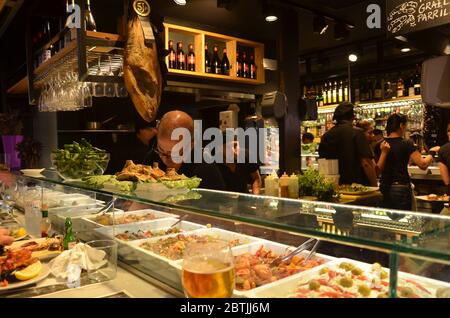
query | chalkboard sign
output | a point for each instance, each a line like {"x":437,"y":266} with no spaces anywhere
{"x":405,"y":16}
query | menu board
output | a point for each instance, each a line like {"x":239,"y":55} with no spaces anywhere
{"x":405,"y":16}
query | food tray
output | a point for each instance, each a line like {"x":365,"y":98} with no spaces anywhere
{"x":156,"y":225}
{"x":158,"y":214}
{"x":368,"y":191}
{"x":279,"y":249}
{"x":286,"y":287}
{"x":220,"y":234}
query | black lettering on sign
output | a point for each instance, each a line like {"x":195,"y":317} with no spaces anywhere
{"x":406,"y":16}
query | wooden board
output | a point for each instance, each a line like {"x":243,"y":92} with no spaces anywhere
{"x":42,"y":255}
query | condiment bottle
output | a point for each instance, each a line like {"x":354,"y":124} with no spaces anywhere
{"x":284,"y":186}
{"x":272,"y":185}
{"x":69,"y":239}
{"x":45,"y":222}
{"x":293,"y":186}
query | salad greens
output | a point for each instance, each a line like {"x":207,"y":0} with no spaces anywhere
{"x":311,"y":183}
{"x":189,"y":183}
{"x":78,"y":160}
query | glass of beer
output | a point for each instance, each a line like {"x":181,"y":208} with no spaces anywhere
{"x":208,"y":270}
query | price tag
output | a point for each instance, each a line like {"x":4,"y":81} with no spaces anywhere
{"x":142,"y":9}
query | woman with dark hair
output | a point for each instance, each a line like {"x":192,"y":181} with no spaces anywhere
{"x":395,"y":180}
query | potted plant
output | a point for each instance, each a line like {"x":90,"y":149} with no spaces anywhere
{"x":29,"y":152}
{"x":11,"y":131}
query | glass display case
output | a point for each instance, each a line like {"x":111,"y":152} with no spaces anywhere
{"x":360,"y":252}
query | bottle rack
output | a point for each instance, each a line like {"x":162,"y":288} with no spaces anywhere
{"x":199,"y":38}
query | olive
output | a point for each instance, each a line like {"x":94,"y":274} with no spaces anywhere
{"x":346,"y":282}
{"x":406,"y":292}
{"x":347,"y":266}
{"x":324,"y":270}
{"x":383,"y":275}
{"x":357,"y":271}
{"x":314,"y":285}
{"x":364,"y":290}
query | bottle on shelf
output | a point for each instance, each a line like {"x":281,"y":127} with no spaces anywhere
{"x":400,"y":87}
{"x":325,"y":94}
{"x":216,"y":64}
{"x":172,"y":56}
{"x":69,"y":239}
{"x":346,"y":95}
{"x":47,"y":52}
{"x":378,"y":94}
{"x":207,"y":60}
{"x":387,"y":88}
{"x":238,"y":64}
{"x":284,"y":186}
{"x":357,"y":93}
{"x":340,"y":92}
{"x":89,"y":18}
{"x":319,"y":98}
{"x":411,"y":90}
{"x":335,"y":93}
{"x":293,"y":186}
{"x":45,"y":222}
{"x":191,"y":58}
{"x":181,"y":57}
{"x":68,"y":35}
{"x":272,"y":185}
{"x":370,"y":92}
{"x":252,"y":67}
{"x":417,"y":82}
{"x":225,"y":65}
{"x":245,"y":66}
{"x":330,"y":94}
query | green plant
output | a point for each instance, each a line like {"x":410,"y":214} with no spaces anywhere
{"x":311,"y":183}
{"x":10,"y":124}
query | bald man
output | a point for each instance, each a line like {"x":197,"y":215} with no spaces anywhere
{"x":209,"y":173}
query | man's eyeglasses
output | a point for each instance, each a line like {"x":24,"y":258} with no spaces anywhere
{"x":163,"y":154}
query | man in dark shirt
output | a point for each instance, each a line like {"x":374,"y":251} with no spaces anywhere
{"x":349,"y":145}
{"x":162,"y":153}
{"x":146,"y":134}
{"x":444,"y":159}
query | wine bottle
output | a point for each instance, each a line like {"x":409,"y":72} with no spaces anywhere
{"x":181,"y":57}
{"x":411,"y":90}
{"x":216,"y":64}
{"x":325,"y":94}
{"x":252,"y":67}
{"x":47,"y":52}
{"x":346,"y":91}
{"x":341,"y":92}
{"x":207,"y":60}
{"x":245,"y":66}
{"x":238,"y":64}
{"x":378,"y":91}
{"x":191,"y":58}
{"x":335,"y":93}
{"x":330,"y":94}
{"x":89,"y":18}
{"x":172,"y":56}
{"x":400,"y":87}
{"x":225,"y":65}
{"x":417,"y":82}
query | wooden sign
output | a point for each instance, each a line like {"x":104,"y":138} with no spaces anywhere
{"x":407,"y":16}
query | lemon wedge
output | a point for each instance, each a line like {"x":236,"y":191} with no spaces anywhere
{"x":29,"y":272}
{"x":21,"y":232}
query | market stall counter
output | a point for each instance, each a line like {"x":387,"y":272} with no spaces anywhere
{"x":359,"y":251}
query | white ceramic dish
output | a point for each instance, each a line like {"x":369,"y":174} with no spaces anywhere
{"x":32,"y":172}
{"x":156,"y":225}
{"x":45,"y":271}
{"x":119,"y":213}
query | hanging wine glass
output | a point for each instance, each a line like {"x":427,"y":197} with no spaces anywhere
{"x":99,"y":88}
{"x":121,"y":90}
{"x":110,"y":87}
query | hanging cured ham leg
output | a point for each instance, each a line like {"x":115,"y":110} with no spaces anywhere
{"x":142,"y":71}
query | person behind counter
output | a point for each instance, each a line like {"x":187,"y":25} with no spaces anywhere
{"x":395,"y":180}
{"x":209,"y":173}
{"x":444,"y":159}
{"x":146,"y":134}
{"x":237,"y":176}
{"x":349,"y":145}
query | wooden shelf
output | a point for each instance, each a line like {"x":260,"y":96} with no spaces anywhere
{"x":199,"y":38}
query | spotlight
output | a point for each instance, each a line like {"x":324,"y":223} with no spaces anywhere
{"x":353,"y":57}
{"x":405,"y":49}
{"x":180,"y":2}
{"x":269,"y":12}
{"x":340,"y":32}
{"x":320,"y":25}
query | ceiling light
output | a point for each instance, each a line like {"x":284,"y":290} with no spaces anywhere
{"x":180,"y":2}
{"x":320,"y":25}
{"x":353,"y":57}
{"x":405,"y":49}
{"x":269,"y":12}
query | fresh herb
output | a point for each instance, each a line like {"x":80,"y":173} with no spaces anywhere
{"x":311,"y":183}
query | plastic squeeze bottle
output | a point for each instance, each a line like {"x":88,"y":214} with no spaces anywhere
{"x":293,"y":186}
{"x":284,"y":186}
{"x":272,"y":185}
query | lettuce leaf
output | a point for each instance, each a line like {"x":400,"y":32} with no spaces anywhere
{"x":189,"y":183}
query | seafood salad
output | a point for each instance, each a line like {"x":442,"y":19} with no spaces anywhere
{"x":349,"y":281}
{"x":14,"y":260}
{"x":108,"y":219}
{"x":173,"y":247}
{"x":132,"y":236}
{"x":255,"y":270}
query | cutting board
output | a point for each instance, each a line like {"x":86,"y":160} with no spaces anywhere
{"x":42,"y":255}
